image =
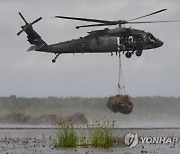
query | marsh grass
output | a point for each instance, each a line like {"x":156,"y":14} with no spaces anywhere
{"x":66,"y":136}
{"x":98,"y":135}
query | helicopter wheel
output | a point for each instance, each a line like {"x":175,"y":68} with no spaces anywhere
{"x":53,"y":60}
{"x":128,"y":55}
{"x":138,"y":53}
{"x":57,"y":55}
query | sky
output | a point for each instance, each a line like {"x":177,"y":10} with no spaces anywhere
{"x":32,"y":74}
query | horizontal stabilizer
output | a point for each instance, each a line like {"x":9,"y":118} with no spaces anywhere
{"x":32,"y":48}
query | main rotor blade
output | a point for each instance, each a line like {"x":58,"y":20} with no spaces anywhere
{"x":119,"y":22}
{"x":85,"y":19}
{"x":93,"y":25}
{"x":22,"y":17}
{"x":145,"y":22}
{"x":124,"y":22}
{"x":148,"y":14}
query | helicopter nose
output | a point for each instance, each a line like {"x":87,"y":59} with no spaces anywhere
{"x":161,"y":43}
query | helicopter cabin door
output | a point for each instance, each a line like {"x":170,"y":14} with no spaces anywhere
{"x":103,"y":44}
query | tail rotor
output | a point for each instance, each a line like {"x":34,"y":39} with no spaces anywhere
{"x":27,"y":25}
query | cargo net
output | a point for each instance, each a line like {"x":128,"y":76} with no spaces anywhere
{"x":121,"y":102}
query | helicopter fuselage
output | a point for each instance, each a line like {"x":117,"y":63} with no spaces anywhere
{"x":107,"y":40}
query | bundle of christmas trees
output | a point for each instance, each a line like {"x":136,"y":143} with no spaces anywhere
{"x":120,"y":103}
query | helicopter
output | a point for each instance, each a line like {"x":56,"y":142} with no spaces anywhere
{"x":119,"y":40}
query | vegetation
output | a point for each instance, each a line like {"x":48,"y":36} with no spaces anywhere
{"x":13,"y":102}
{"x":66,"y":136}
{"x":97,"y":135}
{"x":145,"y":108}
{"x":100,"y":134}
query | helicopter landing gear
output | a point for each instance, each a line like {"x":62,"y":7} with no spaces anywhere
{"x":138,"y":53}
{"x":128,"y":54}
{"x":57,"y":55}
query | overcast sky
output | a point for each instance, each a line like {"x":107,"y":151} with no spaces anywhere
{"x":32,"y":74}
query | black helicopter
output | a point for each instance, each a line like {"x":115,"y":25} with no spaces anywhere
{"x":120,"y":39}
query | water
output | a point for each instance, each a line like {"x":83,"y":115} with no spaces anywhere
{"x":21,"y":139}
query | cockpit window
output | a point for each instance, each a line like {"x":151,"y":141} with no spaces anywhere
{"x":151,"y":38}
